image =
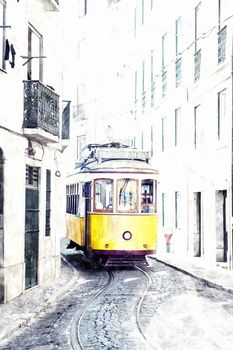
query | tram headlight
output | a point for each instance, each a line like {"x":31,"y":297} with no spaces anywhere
{"x":127,"y":235}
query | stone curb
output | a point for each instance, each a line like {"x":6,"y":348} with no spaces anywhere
{"x":194,"y":275}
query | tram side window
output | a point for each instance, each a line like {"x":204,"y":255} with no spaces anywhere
{"x":103,"y":195}
{"x":72,"y":199}
{"x":148,"y":196}
{"x":127,"y":195}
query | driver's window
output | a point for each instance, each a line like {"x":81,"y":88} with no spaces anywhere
{"x":127,"y":195}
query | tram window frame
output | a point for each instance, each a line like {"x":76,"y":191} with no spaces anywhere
{"x":148,"y":200}
{"x":129,"y":211}
{"x":103,"y":210}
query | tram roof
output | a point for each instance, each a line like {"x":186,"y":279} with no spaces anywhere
{"x":114,"y":158}
{"x":115,"y":166}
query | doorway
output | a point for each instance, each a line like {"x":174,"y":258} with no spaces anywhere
{"x":31,"y":226}
{"x":221,"y":231}
{"x":197,"y":232}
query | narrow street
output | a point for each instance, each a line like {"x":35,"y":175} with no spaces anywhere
{"x":156,"y":307}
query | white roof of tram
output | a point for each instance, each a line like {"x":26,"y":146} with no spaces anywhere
{"x":115,"y":158}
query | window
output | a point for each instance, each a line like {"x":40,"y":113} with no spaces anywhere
{"x":178,"y":51}
{"x":152,"y":82}
{"x":224,"y":9}
{"x":143,"y":10}
{"x":177,"y":125}
{"x":135,"y":90}
{"x":222,"y":122}
{"x":164,"y":51}
{"x":103,"y":194}
{"x":148,"y":196}
{"x":127,"y":195}
{"x":48,"y":203}
{"x":197,"y":49}
{"x":72,"y":199}
{"x":35,"y":49}
{"x":178,"y":36}
{"x":81,"y":143}
{"x":32,"y":176}
{"x":164,"y":65}
{"x":177,"y":209}
{"x":2,"y":34}
{"x":197,"y":127}
{"x":143,"y":87}
{"x":197,"y":27}
{"x":135,"y":22}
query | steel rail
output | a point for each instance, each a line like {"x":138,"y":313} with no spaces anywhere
{"x":139,"y":305}
{"x":76,"y":342}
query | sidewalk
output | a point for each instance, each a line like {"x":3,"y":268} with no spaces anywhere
{"x":218,"y":277}
{"x":24,"y":308}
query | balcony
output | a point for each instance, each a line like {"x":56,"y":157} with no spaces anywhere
{"x":178,"y":71}
{"x":41,"y":112}
{"x":50,"y":5}
{"x":164,"y":83}
{"x":65,"y":133}
{"x":222,"y":35}
{"x":197,"y":65}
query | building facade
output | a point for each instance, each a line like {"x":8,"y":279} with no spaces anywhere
{"x":193,"y":127}
{"x":162,"y":81}
{"x":33,"y":120}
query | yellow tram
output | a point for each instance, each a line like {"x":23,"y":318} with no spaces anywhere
{"x":111,"y":204}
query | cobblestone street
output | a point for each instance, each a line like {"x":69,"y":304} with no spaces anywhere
{"x":177,"y":311}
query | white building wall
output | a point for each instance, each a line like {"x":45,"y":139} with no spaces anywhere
{"x":14,"y":144}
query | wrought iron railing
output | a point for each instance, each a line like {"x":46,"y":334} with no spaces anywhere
{"x":143,"y":101}
{"x":222,"y":35}
{"x":197,"y":65}
{"x":178,"y":71}
{"x":152,"y":102}
{"x":41,"y":107}
{"x":164,"y":83}
{"x":66,"y":120}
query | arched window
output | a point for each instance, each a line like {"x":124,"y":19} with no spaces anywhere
{"x":1,"y":188}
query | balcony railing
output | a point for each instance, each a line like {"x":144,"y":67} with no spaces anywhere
{"x":164,"y":83}
{"x":222,"y":35}
{"x":66,"y":120}
{"x":152,"y":93}
{"x":41,"y":107}
{"x":197,"y":65}
{"x":143,"y":101}
{"x":178,"y":71}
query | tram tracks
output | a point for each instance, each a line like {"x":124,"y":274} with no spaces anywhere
{"x":76,"y":341}
{"x":76,"y":334}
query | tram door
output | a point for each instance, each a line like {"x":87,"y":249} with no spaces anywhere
{"x":31,"y":226}
{"x":87,"y":210}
